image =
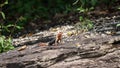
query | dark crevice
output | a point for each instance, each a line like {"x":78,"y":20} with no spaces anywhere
{"x":62,"y":57}
{"x":89,"y":55}
{"x":116,"y":43}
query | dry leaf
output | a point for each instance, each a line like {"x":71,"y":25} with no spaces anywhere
{"x":22,"y":48}
{"x":70,"y":33}
{"x":87,"y":36}
{"x":110,"y":32}
{"x":77,"y":44}
{"x":53,"y":29}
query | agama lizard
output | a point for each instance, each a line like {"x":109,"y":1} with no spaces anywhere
{"x":54,"y":41}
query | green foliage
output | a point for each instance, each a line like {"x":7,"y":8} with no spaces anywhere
{"x":30,"y":10}
{"x":3,"y":15}
{"x":3,"y":4}
{"x":38,"y":8}
{"x":118,"y":25}
{"x":17,"y":13}
{"x":46,"y":9}
{"x":5,"y":44}
{"x":1,"y":12}
{"x":84,"y":24}
{"x":87,"y":5}
{"x":27,"y":11}
{"x":6,"y":28}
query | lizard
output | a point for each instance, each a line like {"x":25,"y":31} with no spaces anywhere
{"x":54,"y":41}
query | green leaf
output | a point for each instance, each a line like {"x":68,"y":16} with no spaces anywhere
{"x":5,"y":44}
{"x":93,"y":2}
{"x":19,"y":27}
{"x":6,"y":28}
{"x":81,"y":9}
{"x":3,"y":15}
{"x":10,"y":25}
{"x":81,"y":18}
{"x":2,"y":38}
{"x":76,"y":2}
{"x":6,"y":2}
{"x":118,"y":25}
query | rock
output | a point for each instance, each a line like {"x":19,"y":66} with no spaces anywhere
{"x":94,"y":52}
